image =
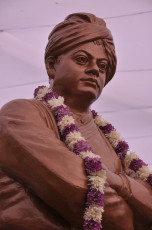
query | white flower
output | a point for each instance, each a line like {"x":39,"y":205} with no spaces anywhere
{"x":41,"y":93}
{"x":144,"y":172}
{"x":66,"y":120}
{"x":97,"y":182}
{"x":56,"y":102}
{"x":129,"y":157}
{"x":114,"y":138}
{"x":94,"y":212}
{"x":101,"y":174}
{"x":73,"y":136}
{"x":100,"y":121}
{"x":90,"y":154}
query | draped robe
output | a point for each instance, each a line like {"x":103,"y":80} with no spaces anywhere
{"x":43,"y":185}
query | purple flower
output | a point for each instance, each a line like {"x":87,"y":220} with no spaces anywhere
{"x":121,"y":156}
{"x":58,"y":109}
{"x":95,"y":196}
{"x":136,"y":164}
{"x":107,"y":128}
{"x":149,"y":179}
{"x":94,"y":113}
{"x":122,"y":147}
{"x":37,"y":89}
{"x":82,"y":146}
{"x":92,"y":164}
{"x":91,"y":225}
{"x":61,"y":111}
{"x":50,"y":95}
{"x":67,"y":129}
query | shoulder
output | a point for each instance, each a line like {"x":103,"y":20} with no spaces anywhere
{"x":29,"y":111}
{"x":22,"y":106}
{"x":18,"y":104}
{"x":24,"y":109}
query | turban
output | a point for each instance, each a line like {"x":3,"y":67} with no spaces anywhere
{"x":78,"y":29}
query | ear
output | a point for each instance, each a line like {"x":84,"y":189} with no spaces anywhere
{"x":50,"y":66}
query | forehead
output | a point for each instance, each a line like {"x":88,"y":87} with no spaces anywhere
{"x":90,"y":48}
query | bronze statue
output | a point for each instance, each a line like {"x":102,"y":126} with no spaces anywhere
{"x":63,"y":167}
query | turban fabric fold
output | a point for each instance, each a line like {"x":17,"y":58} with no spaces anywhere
{"x":80,"y":28}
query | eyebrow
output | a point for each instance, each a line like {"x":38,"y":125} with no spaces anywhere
{"x":84,"y":51}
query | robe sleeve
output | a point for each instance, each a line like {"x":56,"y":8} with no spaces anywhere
{"x":117,"y":215}
{"x":32,"y":154}
{"x":137,"y":194}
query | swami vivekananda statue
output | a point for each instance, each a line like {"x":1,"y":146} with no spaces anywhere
{"x":63,"y":167}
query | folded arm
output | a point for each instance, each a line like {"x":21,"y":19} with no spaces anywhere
{"x":137,"y":194}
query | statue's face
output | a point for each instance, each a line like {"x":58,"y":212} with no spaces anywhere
{"x":81,"y":71}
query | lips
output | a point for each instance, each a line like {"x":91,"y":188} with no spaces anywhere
{"x":91,"y":80}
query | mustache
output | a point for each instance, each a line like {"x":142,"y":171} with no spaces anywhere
{"x":92,"y":80}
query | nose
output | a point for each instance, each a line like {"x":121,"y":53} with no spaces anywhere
{"x":92,"y":69}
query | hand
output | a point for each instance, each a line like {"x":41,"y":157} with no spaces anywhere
{"x":114,"y":180}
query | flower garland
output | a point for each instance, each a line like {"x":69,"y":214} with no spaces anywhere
{"x":93,"y":164}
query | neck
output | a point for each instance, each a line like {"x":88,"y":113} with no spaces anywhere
{"x":77,"y":103}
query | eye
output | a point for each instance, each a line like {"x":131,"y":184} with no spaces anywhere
{"x":81,"y":59}
{"x":102,"y":66}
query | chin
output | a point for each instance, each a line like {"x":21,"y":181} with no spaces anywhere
{"x":89,"y":94}
{"x":92,"y":90}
